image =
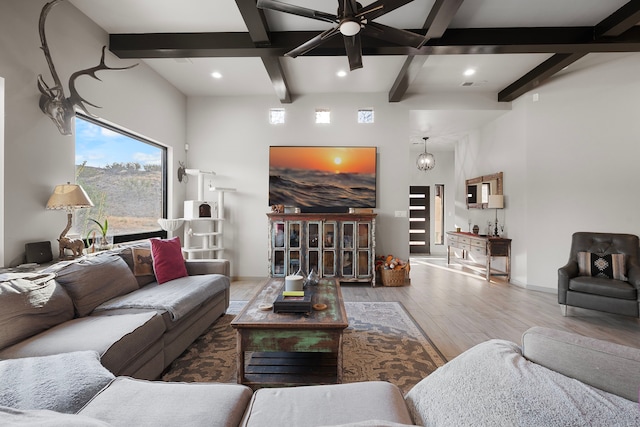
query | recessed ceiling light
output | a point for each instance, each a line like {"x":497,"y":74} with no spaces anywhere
{"x":469,"y":72}
{"x":341,"y":73}
{"x":216,"y":75}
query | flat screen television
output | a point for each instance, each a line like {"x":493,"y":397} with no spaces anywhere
{"x":322,"y":179}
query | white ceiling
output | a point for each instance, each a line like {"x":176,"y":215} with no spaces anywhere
{"x":314,"y":74}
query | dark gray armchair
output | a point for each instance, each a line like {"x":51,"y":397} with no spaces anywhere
{"x":592,"y":289}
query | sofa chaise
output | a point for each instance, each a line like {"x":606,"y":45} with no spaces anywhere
{"x":554,"y":378}
{"x":112,"y":303}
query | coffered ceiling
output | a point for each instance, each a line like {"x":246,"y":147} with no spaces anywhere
{"x":512,"y":45}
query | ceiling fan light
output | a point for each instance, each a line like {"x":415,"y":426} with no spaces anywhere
{"x":349,"y":28}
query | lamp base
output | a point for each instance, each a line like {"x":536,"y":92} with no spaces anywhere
{"x":75,"y":245}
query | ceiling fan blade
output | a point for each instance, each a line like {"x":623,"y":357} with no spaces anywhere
{"x":313,"y":43}
{"x":353,"y":46}
{"x":296,"y":10}
{"x":394,"y":35}
{"x":380,"y":7}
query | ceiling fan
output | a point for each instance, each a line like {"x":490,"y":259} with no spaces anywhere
{"x":352,"y":20}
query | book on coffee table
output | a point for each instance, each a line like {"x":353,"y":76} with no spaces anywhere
{"x":293,"y":304}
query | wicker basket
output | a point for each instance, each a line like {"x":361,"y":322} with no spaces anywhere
{"x":393,"y":277}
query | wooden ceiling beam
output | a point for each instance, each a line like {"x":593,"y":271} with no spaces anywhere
{"x":259,"y":33}
{"x":437,"y":22}
{"x":620,"y":25}
{"x":454,"y":41}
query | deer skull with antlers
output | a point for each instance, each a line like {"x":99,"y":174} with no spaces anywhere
{"x":53,"y":102}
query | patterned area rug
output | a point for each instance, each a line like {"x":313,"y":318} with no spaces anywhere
{"x":382,"y":342}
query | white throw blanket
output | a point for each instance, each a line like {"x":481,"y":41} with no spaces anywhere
{"x":179,"y":296}
{"x":492,"y":384}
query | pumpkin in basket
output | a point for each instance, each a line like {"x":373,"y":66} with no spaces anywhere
{"x":393,"y":271}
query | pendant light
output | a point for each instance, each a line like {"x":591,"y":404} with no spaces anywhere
{"x":426,"y":161}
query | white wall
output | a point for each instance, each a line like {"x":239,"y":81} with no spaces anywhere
{"x":37,"y":157}
{"x":231,"y":136}
{"x":570,"y":163}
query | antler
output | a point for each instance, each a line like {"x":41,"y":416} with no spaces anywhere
{"x":57,"y":90}
{"x":53,"y":101}
{"x":75,"y":98}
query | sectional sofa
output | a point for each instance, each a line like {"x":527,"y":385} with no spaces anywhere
{"x":553,"y":379}
{"x":112,"y":303}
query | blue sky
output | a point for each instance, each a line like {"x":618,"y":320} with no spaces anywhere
{"x":101,"y":147}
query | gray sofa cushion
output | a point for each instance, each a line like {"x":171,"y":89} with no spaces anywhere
{"x":29,"y":305}
{"x":117,"y":339}
{"x":492,"y":384}
{"x":610,"y":367}
{"x":62,"y":382}
{"x":127,"y":401}
{"x":179,"y":296}
{"x":94,"y":280}
{"x":44,"y":418}
{"x":327,"y":405}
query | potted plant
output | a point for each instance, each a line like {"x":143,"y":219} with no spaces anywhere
{"x":101,"y":242}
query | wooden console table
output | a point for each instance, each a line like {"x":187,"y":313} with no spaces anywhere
{"x":487,"y":246}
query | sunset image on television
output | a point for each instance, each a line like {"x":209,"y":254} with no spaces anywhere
{"x":322,"y":176}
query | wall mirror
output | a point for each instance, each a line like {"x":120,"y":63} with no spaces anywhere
{"x":479,"y":189}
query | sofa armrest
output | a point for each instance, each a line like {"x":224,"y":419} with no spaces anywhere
{"x":565,"y":273}
{"x":208,"y":266}
{"x":611,"y":367}
{"x":633,"y":275}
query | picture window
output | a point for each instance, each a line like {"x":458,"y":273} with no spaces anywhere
{"x":125,"y":176}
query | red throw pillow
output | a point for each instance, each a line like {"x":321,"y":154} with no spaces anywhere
{"x":168,"y":262}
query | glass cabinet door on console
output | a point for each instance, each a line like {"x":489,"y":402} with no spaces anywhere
{"x":313,"y":247}
{"x":346,"y":254}
{"x":278,"y":254}
{"x":364,"y":261}
{"x":294,"y":246}
{"x":329,"y":249}
{"x":337,"y":245}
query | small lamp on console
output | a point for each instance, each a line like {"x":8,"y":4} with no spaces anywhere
{"x":69,"y":197}
{"x":496,"y":201}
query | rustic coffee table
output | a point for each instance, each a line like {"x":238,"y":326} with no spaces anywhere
{"x":279,"y":349}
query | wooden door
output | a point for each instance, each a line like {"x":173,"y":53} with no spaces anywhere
{"x":419,"y":220}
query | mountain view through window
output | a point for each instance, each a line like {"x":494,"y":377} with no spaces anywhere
{"x":123,"y":175}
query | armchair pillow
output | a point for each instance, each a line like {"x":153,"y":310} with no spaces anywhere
{"x":610,"y":266}
{"x":168,"y":262}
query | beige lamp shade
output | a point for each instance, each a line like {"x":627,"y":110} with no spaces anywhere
{"x":69,"y":196}
{"x":496,"y":201}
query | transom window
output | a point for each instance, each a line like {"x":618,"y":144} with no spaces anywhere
{"x":323,"y":116}
{"x":125,"y":176}
{"x":365,"y":115}
{"x":276,"y":116}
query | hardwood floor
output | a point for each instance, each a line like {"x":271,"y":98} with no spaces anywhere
{"x":458,"y":308}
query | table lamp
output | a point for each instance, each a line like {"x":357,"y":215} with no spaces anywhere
{"x":496,"y":201}
{"x":69,"y":197}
